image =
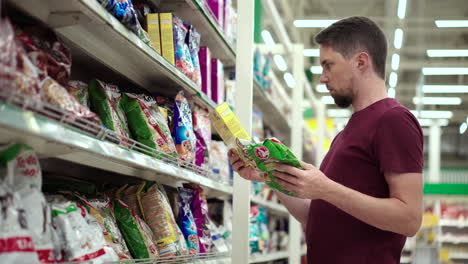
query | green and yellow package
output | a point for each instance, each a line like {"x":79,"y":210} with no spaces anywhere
{"x":264,"y":156}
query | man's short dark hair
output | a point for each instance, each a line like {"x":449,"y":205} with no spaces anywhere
{"x":355,"y":34}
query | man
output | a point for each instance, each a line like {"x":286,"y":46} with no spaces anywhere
{"x":367,"y":196}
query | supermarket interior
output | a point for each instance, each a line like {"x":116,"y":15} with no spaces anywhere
{"x":261,"y":131}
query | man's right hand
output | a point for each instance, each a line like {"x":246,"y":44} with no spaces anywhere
{"x":244,"y":171}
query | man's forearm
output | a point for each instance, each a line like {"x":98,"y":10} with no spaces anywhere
{"x":390,"y":214}
{"x":298,"y":207}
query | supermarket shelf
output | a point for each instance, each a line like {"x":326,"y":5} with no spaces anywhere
{"x":458,"y":255}
{"x":405,"y":259}
{"x":271,"y":113}
{"x":453,"y":223}
{"x":197,"y":14}
{"x":268,"y":257}
{"x":90,"y":28}
{"x":274,"y":207}
{"x":50,"y":138}
{"x":454,"y":240}
{"x":199,"y":258}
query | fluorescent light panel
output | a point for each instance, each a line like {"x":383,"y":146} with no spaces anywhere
{"x":321,"y":88}
{"x":438,"y":100}
{"x":433,"y":114}
{"x":314,"y":23}
{"x":391,"y":92}
{"x":393,"y":79}
{"x":401,"y":9}
{"x":289,"y":79}
{"x":327,"y":100}
{"x":280,"y":63}
{"x":398,"y":41}
{"x":395,"y":61}
{"x":447,"y":53}
{"x":451,"y":23}
{"x":463,"y":128}
{"x":316,"y":69}
{"x":445,"y":89}
{"x":445,"y":71}
{"x":267,"y":38}
{"x":312,"y":53}
{"x":428,"y":122}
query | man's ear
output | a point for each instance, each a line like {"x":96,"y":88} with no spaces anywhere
{"x":362,"y":61}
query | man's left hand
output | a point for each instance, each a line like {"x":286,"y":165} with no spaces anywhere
{"x":309,"y":183}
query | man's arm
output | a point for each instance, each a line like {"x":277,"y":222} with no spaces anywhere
{"x":400,"y":213}
{"x":298,"y":207}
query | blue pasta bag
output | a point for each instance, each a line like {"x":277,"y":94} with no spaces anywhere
{"x":184,"y":136}
{"x":187,"y":222}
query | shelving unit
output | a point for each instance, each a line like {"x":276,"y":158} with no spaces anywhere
{"x":274,"y":207}
{"x":270,"y":257}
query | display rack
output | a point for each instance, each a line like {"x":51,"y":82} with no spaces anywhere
{"x":274,"y":207}
{"x":270,"y":257}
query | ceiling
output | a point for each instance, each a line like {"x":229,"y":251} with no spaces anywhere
{"x":420,"y":34}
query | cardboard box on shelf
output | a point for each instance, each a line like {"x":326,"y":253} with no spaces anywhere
{"x":217,"y":81}
{"x":204,"y":56}
{"x":167,"y":37}
{"x":152,"y":21}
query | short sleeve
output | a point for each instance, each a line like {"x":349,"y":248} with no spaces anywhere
{"x":398,"y":142}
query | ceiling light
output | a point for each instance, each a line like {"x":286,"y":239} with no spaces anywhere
{"x":393,"y":79}
{"x":338,"y":113}
{"x":312,"y":53}
{"x":451,"y":23}
{"x":280,"y":63}
{"x":391,"y":92}
{"x":267,"y":38}
{"x":433,"y":114}
{"x":321,"y":88}
{"x":401,"y":9}
{"x":313,"y":23}
{"x":327,"y":100}
{"x":289,"y":79}
{"x":463,"y":128}
{"x":445,"y":88}
{"x":444,"y":71}
{"x":398,"y":41}
{"x":447,"y":53}
{"x":428,"y":122}
{"x":438,"y":100}
{"x":316,"y":69}
{"x":395,"y":61}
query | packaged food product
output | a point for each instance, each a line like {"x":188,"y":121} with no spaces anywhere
{"x":255,"y":242}
{"x":147,"y":124}
{"x":183,"y":129}
{"x":258,"y":65}
{"x":183,"y":59}
{"x":264,"y":156}
{"x":219,"y":161}
{"x":266,"y":80}
{"x":187,"y":222}
{"x":230,"y":86}
{"x":194,"y":47}
{"x":18,"y":75}
{"x":20,"y":169}
{"x":200,"y":213}
{"x":227,"y":125}
{"x":102,"y":210}
{"x":204,"y":57}
{"x":135,"y":232}
{"x":158,"y":214}
{"x":258,"y":133}
{"x":79,"y":90}
{"x":152,"y":21}
{"x":105,"y":102}
{"x":79,"y":233}
{"x":128,"y":194}
{"x":167,"y":37}
{"x":217,"y":7}
{"x":263,"y":227}
{"x":217,"y":81}
{"x":202,"y":129}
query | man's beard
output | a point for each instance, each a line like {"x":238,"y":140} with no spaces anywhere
{"x":343,"y":101}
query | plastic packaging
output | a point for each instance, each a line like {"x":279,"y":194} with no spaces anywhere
{"x":79,"y":90}
{"x":194,"y":47}
{"x":264,"y":156}
{"x":187,"y":222}
{"x":183,"y":59}
{"x":128,"y":195}
{"x":147,"y":124}
{"x":184,"y":136}
{"x":199,"y":209}
{"x":219,"y":161}
{"x":202,"y":129}
{"x":105,"y":102}
{"x":217,"y":81}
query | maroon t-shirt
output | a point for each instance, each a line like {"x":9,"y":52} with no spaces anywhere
{"x":383,"y":137}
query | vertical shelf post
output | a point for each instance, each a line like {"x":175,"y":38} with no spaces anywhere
{"x":243,"y":97}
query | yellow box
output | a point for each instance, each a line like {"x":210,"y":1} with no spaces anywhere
{"x":152,"y":20}
{"x":227,"y":125}
{"x":167,"y":37}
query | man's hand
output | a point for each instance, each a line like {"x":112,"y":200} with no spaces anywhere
{"x":309,"y":183}
{"x":244,"y":171}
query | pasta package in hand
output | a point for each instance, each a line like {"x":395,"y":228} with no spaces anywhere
{"x":105,"y":102}
{"x":264,"y":156}
{"x":102,"y":210}
{"x":135,"y":232}
{"x":158,"y":214}
{"x":185,"y":139}
{"x":147,"y":124}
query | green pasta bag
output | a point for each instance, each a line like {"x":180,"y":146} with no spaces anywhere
{"x":264,"y":156}
{"x":147,"y":124}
